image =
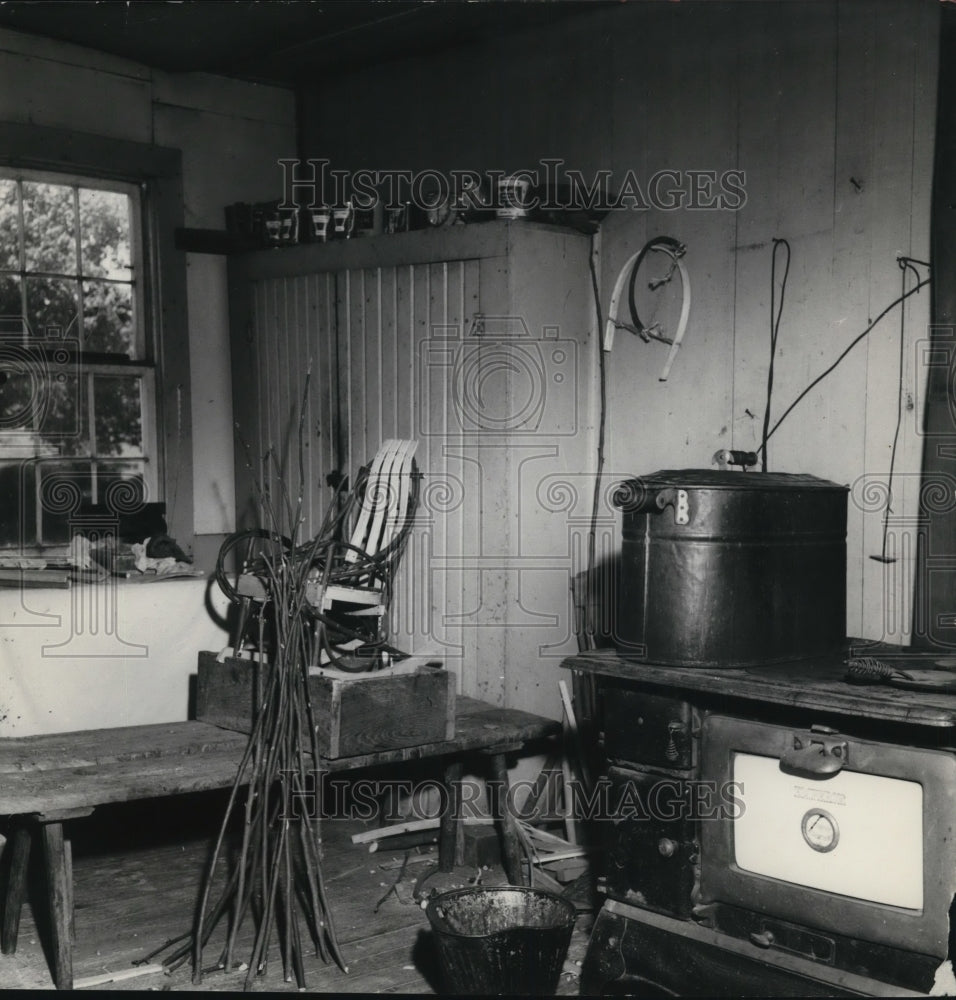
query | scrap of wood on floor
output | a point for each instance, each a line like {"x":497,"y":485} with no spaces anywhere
{"x":555,"y":860}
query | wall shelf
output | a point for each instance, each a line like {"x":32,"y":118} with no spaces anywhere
{"x":214,"y":241}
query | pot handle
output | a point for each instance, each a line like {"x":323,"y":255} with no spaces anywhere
{"x":633,"y":497}
{"x":676,"y":498}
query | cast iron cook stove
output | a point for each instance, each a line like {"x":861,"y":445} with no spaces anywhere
{"x":770,"y":828}
{"x":774,"y":831}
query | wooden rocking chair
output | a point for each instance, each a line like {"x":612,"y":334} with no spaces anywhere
{"x":351,"y":563}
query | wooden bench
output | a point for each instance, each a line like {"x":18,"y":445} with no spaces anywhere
{"x":46,"y":780}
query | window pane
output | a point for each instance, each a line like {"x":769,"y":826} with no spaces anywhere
{"x":70,"y":257}
{"x":51,"y":308}
{"x":9,"y":226}
{"x":120,"y":485}
{"x":19,"y":396}
{"x":64,"y":487}
{"x":39,"y":392}
{"x":49,"y":222}
{"x":18,"y":502}
{"x":108,"y":318}
{"x":10,"y":304}
{"x":65,"y":415}
{"x":104,"y":234}
{"x":44,"y":405}
{"x":117,"y":405}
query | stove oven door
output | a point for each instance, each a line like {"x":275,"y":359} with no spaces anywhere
{"x":831,"y":832}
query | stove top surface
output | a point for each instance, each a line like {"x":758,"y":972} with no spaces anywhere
{"x":813,"y":683}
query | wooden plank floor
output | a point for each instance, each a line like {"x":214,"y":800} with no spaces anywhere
{"x":137,"y":870}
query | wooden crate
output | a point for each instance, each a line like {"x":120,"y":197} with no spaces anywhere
{"x":405,"y":706}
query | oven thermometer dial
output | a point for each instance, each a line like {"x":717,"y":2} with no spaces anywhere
{"x":820,"y":830}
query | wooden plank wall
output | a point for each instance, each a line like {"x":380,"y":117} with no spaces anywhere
{"x":299,"y":314}
{"x":501,"y":409}
{"x":388,"y":318}
{"x":829,"y":111}
{"x":363,"y":333}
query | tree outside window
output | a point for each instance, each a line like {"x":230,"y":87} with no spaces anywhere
{"x":76,"y":382}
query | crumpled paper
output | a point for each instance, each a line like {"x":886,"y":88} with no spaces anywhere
{"x":161,"y":566}
{"x":81,"y":553}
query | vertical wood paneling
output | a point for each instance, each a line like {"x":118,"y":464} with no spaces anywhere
{"x":347,"y":320}
{"x":481,"y":281}
{"x":396,"y":352}
{"x":928,"y":43}
{"x":292,"y":326}
{"x":853,"y":172}
{"x":787,"y":128}
{"x":887,"y":235}
{"x":431,"y":295}
{"x":300,"y":292}
{"x":398,"y":389}
{"x":293,"y":380}
{"x":899,"y":94}
{"x":427,"y":417}
{"x":392,"y":383}
{"x":801,"y":97}
{"x":550,"y":466}
{"x":826,"y":94}
{"x":489,"y":592}
{"x":390,"y":352}
{"x":456,"y":509}
{"x":264,"y":361}
{"x":326,"y":392}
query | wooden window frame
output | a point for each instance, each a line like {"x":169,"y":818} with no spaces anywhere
{"x":157,"y":171}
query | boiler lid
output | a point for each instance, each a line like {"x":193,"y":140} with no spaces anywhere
{"x":720,"y":479}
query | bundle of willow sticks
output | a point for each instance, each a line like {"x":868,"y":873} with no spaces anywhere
{"x":277,"y":878}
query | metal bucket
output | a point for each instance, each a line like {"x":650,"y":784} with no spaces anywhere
{"x":508,"y":940}
{"x":730,"y":569}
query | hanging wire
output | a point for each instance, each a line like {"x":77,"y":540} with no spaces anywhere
{"x":589,"y":640}
{"x":775,"y":314}
{"x":856,"y":340}
{"x":906,"y":264}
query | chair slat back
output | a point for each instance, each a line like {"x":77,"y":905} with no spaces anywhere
{"x":385,"y":503}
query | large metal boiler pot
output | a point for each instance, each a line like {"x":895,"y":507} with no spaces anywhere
{"x":730,"y":569}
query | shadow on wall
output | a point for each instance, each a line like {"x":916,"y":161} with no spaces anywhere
{"x":595,"y":603}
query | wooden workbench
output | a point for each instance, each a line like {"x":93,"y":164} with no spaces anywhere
{"x":46,"y":780}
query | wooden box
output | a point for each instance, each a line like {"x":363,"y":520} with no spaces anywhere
{"x":403,"y":706}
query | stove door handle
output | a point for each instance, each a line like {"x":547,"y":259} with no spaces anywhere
{"x":815,"y":760}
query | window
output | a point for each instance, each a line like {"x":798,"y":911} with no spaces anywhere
{"x":77,"y":387}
